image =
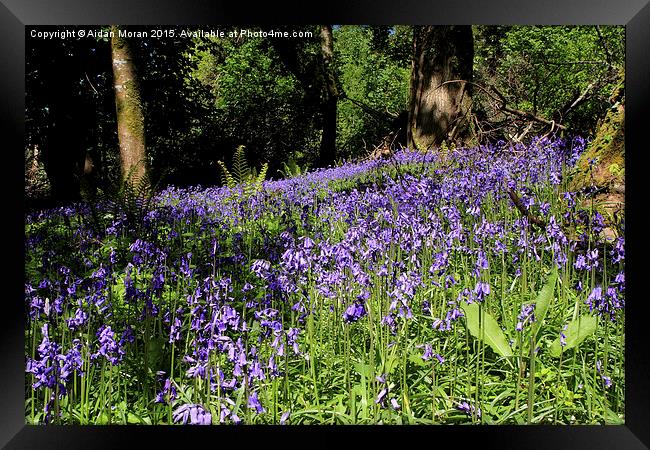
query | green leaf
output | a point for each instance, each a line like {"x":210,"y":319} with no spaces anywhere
{"x":240,"y":396}
{"x":577,"y":331}
{"x":134,"y":419}
{"x":155,"y":353}
{"x":543,"y":301}
{"x":363,"y":369}
{"x":417,"y":360}
{"x":391,"y":363}
{"x":240,"y":167}
{"x":491,"y":331}
{"x":611,"y":418}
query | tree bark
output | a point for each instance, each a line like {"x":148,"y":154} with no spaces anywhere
{"x":439,"y":111}
{"x":130,"y":116}
{"x":318,"y":79}
{"x":327,"y":154}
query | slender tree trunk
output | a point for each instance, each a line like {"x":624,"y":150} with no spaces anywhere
{"x":130,"y":117}
{"x":318,"y":79}
{"x":440,"y":101}
{"x":331,"y":94}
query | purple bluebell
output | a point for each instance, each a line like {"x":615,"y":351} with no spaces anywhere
{"x":469,"y":409}
{"x":254,"y":402}
{"x":192,"y":414}
{"x":526,"y":316}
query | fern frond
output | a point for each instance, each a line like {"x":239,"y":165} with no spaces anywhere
{"x":242,"y":174}
{"x":293,"y":169}
{"x":226,"y":177}
{"x":240,"y":166}
{"x":262,"y":175}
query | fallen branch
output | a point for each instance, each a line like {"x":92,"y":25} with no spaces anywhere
{"x":500,"y":98}
{"x":379,"y":116}
{"x":524,"y":212}
{"x":518,"y":138}
{"x":531,"y":116}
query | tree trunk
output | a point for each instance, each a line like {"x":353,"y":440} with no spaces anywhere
{"x":130,"y":117}
{"x":331,"y":94}
{"x":318,"y":79}
{"x":440,"y":100}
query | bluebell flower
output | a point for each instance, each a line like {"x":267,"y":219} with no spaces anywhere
{"x":354,"y":312}
{"x":526,"y":316}
{"x":253,"y":402}
{"x":468,"y":409}
{"x":193,"y":414}
{"x":481,"y":290}
{"x":108,"y":348}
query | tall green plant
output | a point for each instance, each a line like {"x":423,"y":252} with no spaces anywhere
{"x":293,"y":169}
{"x":129,"y":198}
{"x":241,"y":173}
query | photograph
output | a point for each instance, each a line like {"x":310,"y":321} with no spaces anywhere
{"x":324,"y":225}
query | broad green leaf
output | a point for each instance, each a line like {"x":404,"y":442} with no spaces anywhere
{"x":577,"y":331}
{"x":491,"y":331}
{"x":132,"y":418}
{"x":543,"y":301}
{"x":417,"y":360}
{"x":363,"y":369}
{"x":391,"y":363}
{"x":611,"y":418}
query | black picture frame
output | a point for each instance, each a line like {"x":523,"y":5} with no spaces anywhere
{"x":15,"y":15}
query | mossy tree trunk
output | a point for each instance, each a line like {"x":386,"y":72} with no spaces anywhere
{"x":601,"y":168}
{"x":130,"y":116}
{"x":440,"y":98}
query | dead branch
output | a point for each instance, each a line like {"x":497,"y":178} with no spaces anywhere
{"x":502,"y":106}
{"x":375,"y":114}
{"x":608,"y":53}
{"x":89,"y":82}
{"x":519,"y":137}
{"x":533,"y":117}
{"x":524,"y":212}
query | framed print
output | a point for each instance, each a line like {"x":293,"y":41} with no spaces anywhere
{"x":355,"y":221}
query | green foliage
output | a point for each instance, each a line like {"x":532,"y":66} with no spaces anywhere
{"x":130,"y":198}
{"x":241,"y":173}
{"x":256,"y":100}
{"x":485,"y":327}
{"x":544,"y":69}
{"x":396,"y":42}
{"x":376,"y":84}
{"x":543,"y":301}
{"x":293,"y":169}
{"x":577,"y":331}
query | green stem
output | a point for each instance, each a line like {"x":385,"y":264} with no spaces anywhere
{"x":531,"y":379}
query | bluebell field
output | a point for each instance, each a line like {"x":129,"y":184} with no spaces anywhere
{"x":409,"y":290}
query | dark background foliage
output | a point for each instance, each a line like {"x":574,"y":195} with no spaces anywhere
{"x":203,"y":97}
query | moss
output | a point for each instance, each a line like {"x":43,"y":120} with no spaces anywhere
{"x":608,"y":150}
